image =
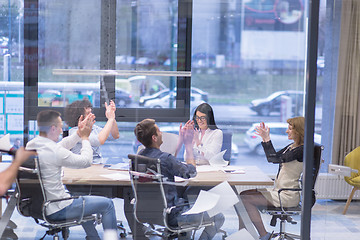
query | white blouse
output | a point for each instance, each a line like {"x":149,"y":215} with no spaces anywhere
{"x":209,"y":146}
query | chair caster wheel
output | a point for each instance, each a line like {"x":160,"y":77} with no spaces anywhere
{"x":122,"y":235}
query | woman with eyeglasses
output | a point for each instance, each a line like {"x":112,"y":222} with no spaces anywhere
{"x":208,"y":137}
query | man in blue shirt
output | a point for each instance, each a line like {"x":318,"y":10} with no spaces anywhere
{"x":149,"y":134}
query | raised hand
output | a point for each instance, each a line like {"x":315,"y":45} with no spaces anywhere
{"x":263,"y":131}
{"x":85,"y":125}
{"x":188,"y":132}
{"x":110,"y":110}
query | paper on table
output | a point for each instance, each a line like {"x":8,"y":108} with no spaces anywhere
{"x":180,"y":179}
{"x":5,"y":143}
{"x":228,"y":198}
{"x":243,"y":234}
{"x":234,"y":169}
{"x":119,"y":166}
{"x":218,"y":160}
{"x":204,"y":202}
{"x":117,"y":176}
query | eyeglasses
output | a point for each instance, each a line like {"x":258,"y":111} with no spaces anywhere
{"x":202,"y":118}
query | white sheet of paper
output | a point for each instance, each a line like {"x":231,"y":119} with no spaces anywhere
{"x":117,"y":176}
{"x":234,"y":169}
{"x":204,"y":202}
{"x":5,"y":142}
{"x":119,"y":166}
{"x":243,"y":234}
{"x":218,"y":160}
{"x":180,"y":179}
{"x":227,"y":198}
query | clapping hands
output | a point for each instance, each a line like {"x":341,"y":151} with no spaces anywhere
{"x":263,"y":131}
{"x":85,"y":125}
{"x":188,"y":132}
{"x":110,"y":110}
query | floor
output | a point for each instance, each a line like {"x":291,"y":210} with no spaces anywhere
{"x":327,"y":223}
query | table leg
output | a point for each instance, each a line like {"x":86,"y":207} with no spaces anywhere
{"x":244,"y":216}
{"x":136,"y":228}
{"x":5,"y":218}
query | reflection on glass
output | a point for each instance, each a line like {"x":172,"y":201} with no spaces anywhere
{"x":146,"y":34}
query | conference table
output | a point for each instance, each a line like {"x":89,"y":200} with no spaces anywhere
{"x":119,"y":182}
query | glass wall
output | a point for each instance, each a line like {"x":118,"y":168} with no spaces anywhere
{"x":247,"y":61}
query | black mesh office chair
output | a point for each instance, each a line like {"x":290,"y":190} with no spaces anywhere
{"x":285,"y":214}
{"x":32,"y":201}
{"x":150,"y":205}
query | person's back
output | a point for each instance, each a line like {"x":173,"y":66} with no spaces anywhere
{"x":170,"y":167}
{"x":148,"y":133}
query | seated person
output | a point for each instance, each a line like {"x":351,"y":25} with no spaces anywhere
{"x":290,"y":160}
{"x":98,"y":135}
{"x":7,"y":177}
{"x":148,"y":133}
{"x":208,"y":138}
{"x":53,"y":156}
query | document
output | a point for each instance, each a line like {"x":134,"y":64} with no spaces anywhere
{"x":5,"y":143}
{"x":233,"y":169}
{"x":228,"y":198}
{"x":119,"y":176}
{"x":218,"y":160}
{"x":204,"y":202}
{"x":214,"y":201}
{"x":120,"y":166}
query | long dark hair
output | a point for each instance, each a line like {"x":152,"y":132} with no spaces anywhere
{"x":206,"y":109}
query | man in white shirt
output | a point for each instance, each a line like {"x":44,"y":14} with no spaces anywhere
{"x":53,"y":156}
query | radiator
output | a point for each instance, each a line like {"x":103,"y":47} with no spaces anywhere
{"x":328,"y":186}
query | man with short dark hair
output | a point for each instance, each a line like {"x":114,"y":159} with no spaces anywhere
{"x":149,"y":134}
{"x":53,"y":156}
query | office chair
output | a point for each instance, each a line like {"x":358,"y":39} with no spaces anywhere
{"x":150,"y":204}
{"x":32,"y":201}
{"x":226,"y":145}
{"x":352,"y":160}
{"x":284,"y":214}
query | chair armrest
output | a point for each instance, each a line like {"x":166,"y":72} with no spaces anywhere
{"x":29,"y":170}
{"x":286,"y":189}
{"x":168,"y":210}
{"x":47,"y":203}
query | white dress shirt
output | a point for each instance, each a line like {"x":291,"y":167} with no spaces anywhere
{"x":52,"y":157}
{"x":210,"y":145}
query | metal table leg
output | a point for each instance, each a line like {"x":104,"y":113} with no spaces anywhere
{"x":7,"y":214}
